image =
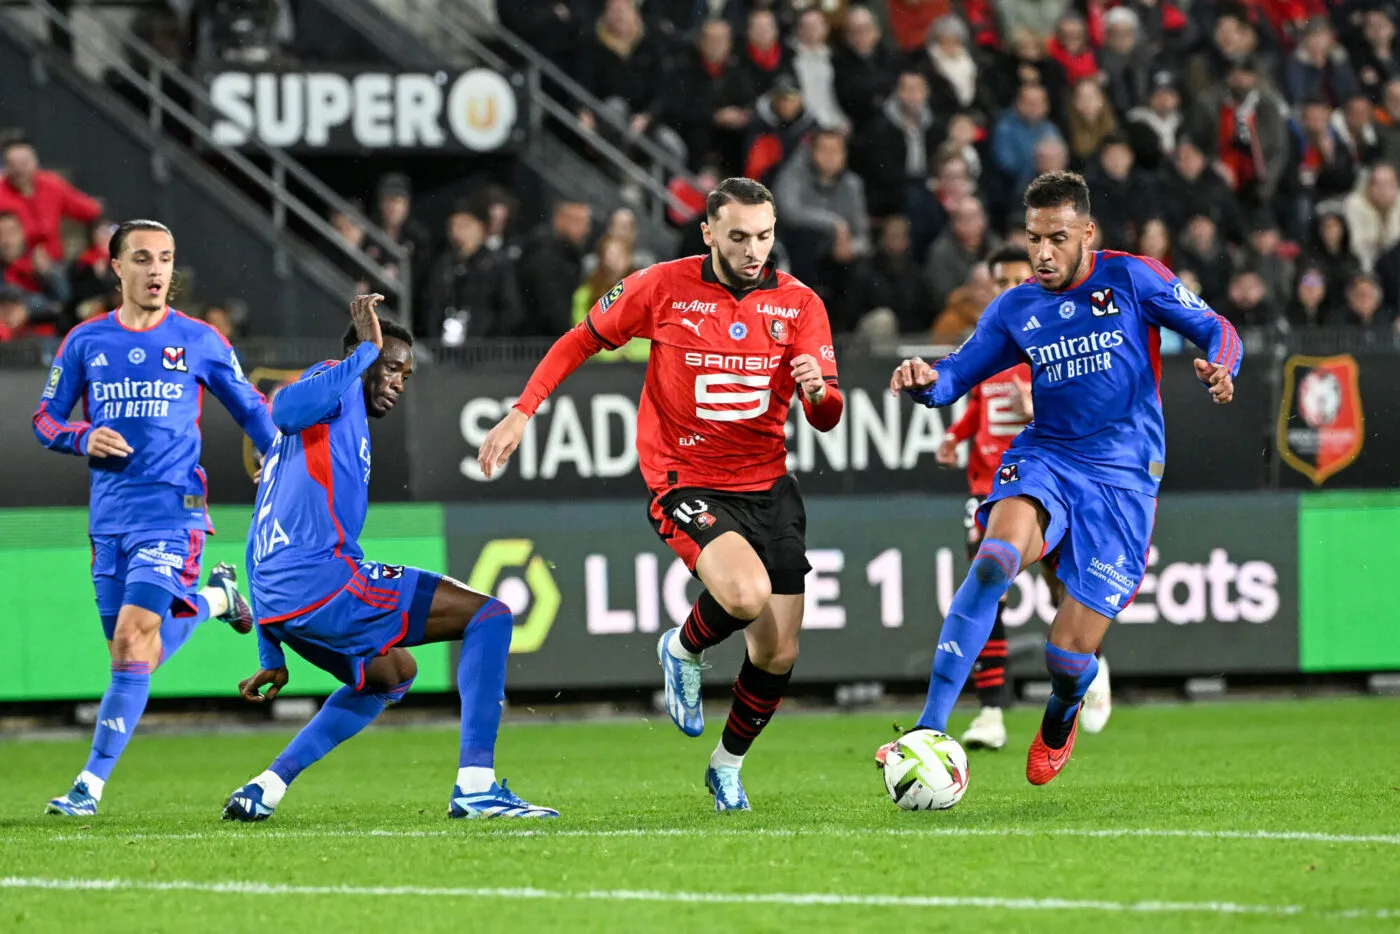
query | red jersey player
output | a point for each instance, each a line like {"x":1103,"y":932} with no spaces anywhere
{"x":733,"y":340}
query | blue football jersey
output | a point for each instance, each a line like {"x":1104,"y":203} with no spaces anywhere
{"x":1094,"y":352}
{"x":149,"y":387}
{"x":303,"y":546}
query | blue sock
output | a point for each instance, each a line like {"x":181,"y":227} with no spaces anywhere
{"x":175,"y":631}
{"x":481,"y":680}
{"x":118,"y":714}
{"x":345,"y":713}
{"x":966,"y":628}
{"x":1071,"y":673}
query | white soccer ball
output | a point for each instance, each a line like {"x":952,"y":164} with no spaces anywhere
{"x":926,"y":771}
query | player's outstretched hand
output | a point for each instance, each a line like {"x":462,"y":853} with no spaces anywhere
{"x":106,"y":442}
{"x":1217,"y":380}
{"x":807,"y":372}
{"x":366,"y":321}
{"x":250,"y":689}
{"x":947,"y":453}
{"x":500,"y":443}
{"x":913,"y":373}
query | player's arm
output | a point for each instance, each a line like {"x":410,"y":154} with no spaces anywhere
{"x":53,"y":428}
{"x":987,"y":352}
{"x":315,"y":398}
{"x":272,"y":670}
{"x":225,"y":379}
{"x":814,"y":368}
{"x":1167,"y":302}
{"x":623,"y":313}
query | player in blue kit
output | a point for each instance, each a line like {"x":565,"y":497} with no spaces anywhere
{"x":1083,"y":475}
{"x":316,"y":593}
{"x":141,"y":372}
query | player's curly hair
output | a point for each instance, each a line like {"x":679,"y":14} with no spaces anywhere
{"x":1055,"y":189}
{"x":387,"y":329}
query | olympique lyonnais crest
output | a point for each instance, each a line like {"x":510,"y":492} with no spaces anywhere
{"x":1321,"y":427}
{"x":267,"y":381}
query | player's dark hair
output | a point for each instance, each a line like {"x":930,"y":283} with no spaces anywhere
{"x":387,"y":329}
{"x":13,"y":141}
{"x":124,"y":231}
{"x":5,"y":214}
{"x":736,"y":191}
{"x":1056,"y":189}
{"x":1008,"y":253}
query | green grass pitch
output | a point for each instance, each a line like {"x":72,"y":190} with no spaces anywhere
{"x":1236,"y":816}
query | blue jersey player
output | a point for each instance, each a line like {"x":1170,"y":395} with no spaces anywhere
{"x":140,"y":373}
{"x":316,"y":593}
{"x":1083,"y":475}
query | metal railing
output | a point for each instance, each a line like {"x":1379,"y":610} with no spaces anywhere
{"x":159,"y":73}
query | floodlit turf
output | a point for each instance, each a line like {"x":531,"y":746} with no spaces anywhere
{"x":1152,"y":827}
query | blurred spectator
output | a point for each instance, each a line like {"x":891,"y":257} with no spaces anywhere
{"x":1153,"y":130}
{"x":1125,"y":62}
{"x":965,"y":305}
{"x":892,"y":153}
{"x":1017,"y":132}
{"x":1373,"y":57}
{"x":1373,"y":215}
{"x":678,"y":21}
{"x":1329,"y":246}
{"x":1388,"y":120}
{"x":709,"y":99}
{"x":949,"y":67}
{"x":1242,"y":127}
{"x":1051,"y":155}
{"x":764,"y":55}
{"x":1089,"y":120}
{"x":472,"y":290}
{"x":823,"y":203}
{"x":929,"y":204}
{"x":1195,"y":190}
{"x":910,"y":21}
{"x":1036,"y":16}
{"x":1310,"y":306}
{"x":499,"y":207}
{"x":551,"y":266}
{"x":890,"y":281}
{"x":816,"y":75}
{"x":623,"y":66}
{"x":1319,"y":69}
{"x":30,"y":270}
{"x":1233,"y":40}
{"x":1024,"y":61}
{"x":1325,"y":166}
{"x":612,"y":262}
{"x":353,"y":235}
{"x":228,"y":318}
{"x":91,"y":273}
{"x":1247,"y":304}
{"x":1155,"y":241}
{"x":41,"y":199}
{"x":1355,"y":129}
{"x":781,"y":124}
{"x":393,"y":199}
{"x":865,"y":69}
{"x":14,"y":314}
{"x":1264,"y":254}
{"x":622,"y":227}
{"x":1363,"y":306}
{"x":965,"y":137}
{"x":954,"y":253}
{"x":1198,"y":247}
{"x":1164,"y":29}
{"x":1121,"y":195}
{"x":1070,"y":47}
{"x":548,"y":25}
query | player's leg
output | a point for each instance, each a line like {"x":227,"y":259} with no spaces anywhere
{"x":1069,"y":656}
{"x":368,"y":688}
{"x":988,"y":728}
{"x":702,"y":528}
{"x":1098,"y":700}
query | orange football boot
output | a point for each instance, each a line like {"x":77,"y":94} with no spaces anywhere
{"x":1044,"y":763}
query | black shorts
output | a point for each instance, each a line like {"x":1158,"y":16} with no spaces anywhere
{"x":773,"y":521}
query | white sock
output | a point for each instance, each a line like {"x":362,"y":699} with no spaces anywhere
{"x":679,"y":651}
{"x":273,"y":788}
{"x":472,"y":779}
{"x":94,"y":784}
{"x":722,"y":758}
{"x":218,"y":600}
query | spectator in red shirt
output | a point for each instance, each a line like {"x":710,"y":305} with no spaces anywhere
{"x":1070,"y":47}
{"x":43,"y":283}
{"x":41,"y":199}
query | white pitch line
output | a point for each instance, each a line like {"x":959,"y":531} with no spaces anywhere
{"x":662,"y":832}
{"x":795,"y":899}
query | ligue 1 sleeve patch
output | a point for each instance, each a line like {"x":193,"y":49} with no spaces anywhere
{"x":55,"y":375}
{"x":607,"y":300}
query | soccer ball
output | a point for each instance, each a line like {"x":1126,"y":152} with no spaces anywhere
{"x":925,"y":771}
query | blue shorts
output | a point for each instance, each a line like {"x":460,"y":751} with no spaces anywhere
{"x":168,"y":559}
{"x":1103,"y":532}
{"x":384,"y":605}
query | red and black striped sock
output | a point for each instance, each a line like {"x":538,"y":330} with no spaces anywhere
{"x":708,"y":625}
{"x":757,"y":694}
{"x":989,"y":672}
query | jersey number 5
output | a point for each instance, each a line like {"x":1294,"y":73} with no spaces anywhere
{"x":708,"y":393}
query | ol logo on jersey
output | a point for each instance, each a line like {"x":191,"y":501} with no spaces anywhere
{"x":173,"y":358}
{"x":1101,"y":303}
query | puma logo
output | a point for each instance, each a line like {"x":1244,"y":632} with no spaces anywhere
{"x":693,"y":325}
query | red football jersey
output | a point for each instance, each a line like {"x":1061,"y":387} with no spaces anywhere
{"x":992,"y":420}
{"x":719,"y":380}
